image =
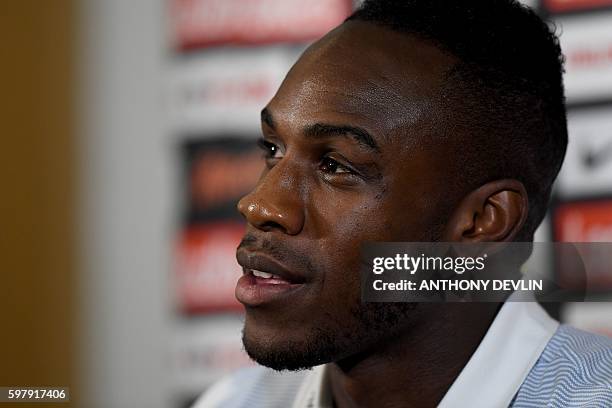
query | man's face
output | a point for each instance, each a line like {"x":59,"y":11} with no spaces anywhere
{"x":346,"y":164}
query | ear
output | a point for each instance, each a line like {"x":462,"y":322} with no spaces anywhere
{"x":495,"y":212}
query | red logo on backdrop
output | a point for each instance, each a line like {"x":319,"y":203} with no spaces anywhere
{"x":198,"y":23}
{"x":589,"y":221}
{"x":238,"y":90}
{"x":218,"y":177}
{"x":569,"y":5}
{"x":584,"y":222}
{"x":206,"y":267}
{"x":593,"y":57}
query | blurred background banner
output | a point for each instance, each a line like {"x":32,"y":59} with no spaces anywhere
{"x":200,"y":23}
{"x":574,"y":5}
{"x":224,"y":89}
{"x":588,"y":162}
{"x":584,"y":221}
{"x":218,"y":171}
{"x":587,"y":45}
{"x":131,"y":129}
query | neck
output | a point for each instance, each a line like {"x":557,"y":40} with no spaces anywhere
{"x":417,"y":367}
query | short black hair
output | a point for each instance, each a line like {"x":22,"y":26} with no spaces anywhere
{"x":505,"y":91}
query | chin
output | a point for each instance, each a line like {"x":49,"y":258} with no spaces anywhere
{"x":287,"y":349}
{"x":295,"y":344}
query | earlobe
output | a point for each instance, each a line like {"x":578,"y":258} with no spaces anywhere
{"x":494,"y":212}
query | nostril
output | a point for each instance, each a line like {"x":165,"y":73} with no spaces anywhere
{"x":270,"y":226}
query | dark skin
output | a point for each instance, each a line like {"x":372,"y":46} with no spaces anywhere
{"x":348,"y":162}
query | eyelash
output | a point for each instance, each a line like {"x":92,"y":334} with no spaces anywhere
{"x":270,"y":150}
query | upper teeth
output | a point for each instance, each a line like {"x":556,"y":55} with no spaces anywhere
{"x":261,"y":274}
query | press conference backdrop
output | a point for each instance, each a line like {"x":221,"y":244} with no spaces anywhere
{"x":230,"y":56}
{"x":221,"y":61}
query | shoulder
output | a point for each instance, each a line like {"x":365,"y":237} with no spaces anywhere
{"x":571,"y":343}
{"x":253,"y":387}
{"x":575,"y":369}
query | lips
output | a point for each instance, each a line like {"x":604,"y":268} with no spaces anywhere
{"x":265,"y":280}
{"x":265,"y":265}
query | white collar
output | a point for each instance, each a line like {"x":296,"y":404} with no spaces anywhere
{"x":494,"y":373}
{"x":504,"y":357}
{"x":315,"y":391}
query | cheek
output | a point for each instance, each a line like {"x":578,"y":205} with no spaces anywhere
{"x":340,"y":231}
{"x":414,"y":219}
{"x":347,"y":216}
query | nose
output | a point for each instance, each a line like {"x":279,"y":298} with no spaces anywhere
{"x":275,"y":203}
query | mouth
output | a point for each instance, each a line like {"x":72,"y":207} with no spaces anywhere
{"x":265,"y":280}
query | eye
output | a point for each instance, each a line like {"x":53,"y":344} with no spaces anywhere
{"x":329,"y":165}
{"x":271,"y":150}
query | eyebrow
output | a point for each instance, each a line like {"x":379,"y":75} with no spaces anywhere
{"x":266,"y":117}
{"x":360,"y":135}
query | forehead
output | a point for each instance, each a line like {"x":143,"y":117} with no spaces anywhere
{"x":364,"y":74}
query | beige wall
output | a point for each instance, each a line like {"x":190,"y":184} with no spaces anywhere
{"x":36,"y":199}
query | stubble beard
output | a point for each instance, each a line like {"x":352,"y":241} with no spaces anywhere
{"x":369,"y":325}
